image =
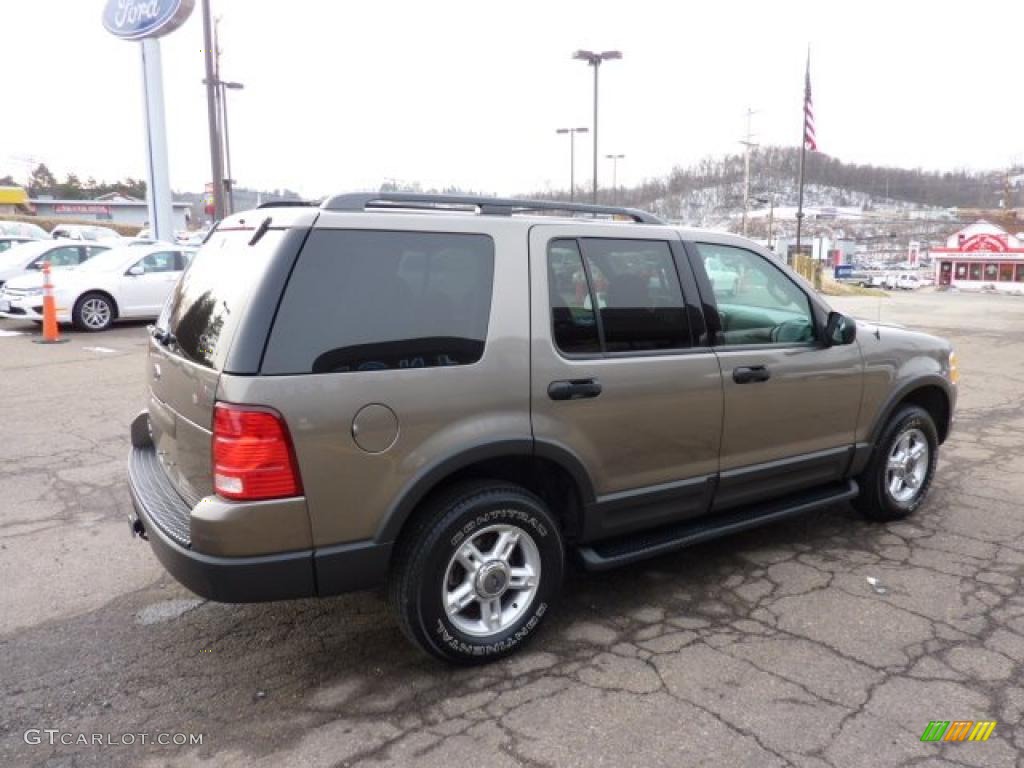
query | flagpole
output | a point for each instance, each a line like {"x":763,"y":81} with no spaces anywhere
{"x":803,"y":158}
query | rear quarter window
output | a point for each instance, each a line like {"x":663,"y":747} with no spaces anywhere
{"x":207,"y":304}
{"x":370,"y":300}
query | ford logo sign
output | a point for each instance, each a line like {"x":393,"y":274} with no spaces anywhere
{"x":138,"y":19}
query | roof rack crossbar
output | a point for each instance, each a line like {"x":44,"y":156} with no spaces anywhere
{"x":495,"y":206}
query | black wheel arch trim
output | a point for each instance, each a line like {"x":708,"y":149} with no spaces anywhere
{"x":889,"y":407}
{"x":427,"y":479}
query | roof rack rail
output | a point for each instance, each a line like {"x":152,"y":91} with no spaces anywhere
{"x":287,"y":203}
{"x":494,"y":206}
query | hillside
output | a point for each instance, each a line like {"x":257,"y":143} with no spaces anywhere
{"x":710,"y":193}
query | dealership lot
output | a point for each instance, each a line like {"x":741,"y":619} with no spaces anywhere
{"x":822,"y":641}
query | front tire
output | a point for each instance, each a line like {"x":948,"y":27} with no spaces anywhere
{"x":93,"y":312}
{"x":477,"y":572}
{"x":899,"y":474}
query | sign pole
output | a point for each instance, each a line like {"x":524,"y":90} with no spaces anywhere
{"x":145,"y":22}
{"x":158,"y":199}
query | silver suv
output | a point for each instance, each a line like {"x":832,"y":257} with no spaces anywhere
{"x":451,"y":395}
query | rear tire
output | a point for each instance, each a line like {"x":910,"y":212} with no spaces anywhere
{"x":93,"y":312}
{"x":477,"y":572}
{"x":897,"y":478}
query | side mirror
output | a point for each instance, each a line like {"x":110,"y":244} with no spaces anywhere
{"x":136,"y":270}
{"x":839,"y":330}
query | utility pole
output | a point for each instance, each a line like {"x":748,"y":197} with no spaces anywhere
{"x":748,"y":143}
{"x":216,"y":162}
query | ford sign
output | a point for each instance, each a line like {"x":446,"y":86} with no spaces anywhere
{"x":137,"y":19}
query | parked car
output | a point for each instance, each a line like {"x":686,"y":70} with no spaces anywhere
{"x":29,"y":257}
{"x":22,"y":229}
{"x":907,"y":281}
{"x":9,"y":241}
{"x":436,"y":399}
{"x":129,"y":282}
{"x":83,"y":232}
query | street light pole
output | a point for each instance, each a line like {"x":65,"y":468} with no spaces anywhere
{"x":615,"y":176}
{"x":572,"y":157}
{"x":216,"y":163}
{"x":594,"y":60}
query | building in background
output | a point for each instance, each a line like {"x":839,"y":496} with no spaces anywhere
{"x":14,"y":200}
{"x":113,"y":208}
{"x":980,"y":256}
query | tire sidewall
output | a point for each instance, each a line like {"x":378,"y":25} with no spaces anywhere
{"x":910,"y":419}
{"x":77,"y":317}
{"x":508,"y":509}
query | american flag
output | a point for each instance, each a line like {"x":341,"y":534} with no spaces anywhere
{"x":810,"y":141}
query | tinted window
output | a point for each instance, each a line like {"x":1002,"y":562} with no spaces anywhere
{"x":638,"y":295}
{"x":573,"y":324}
{"x":757,"y":302}
{"x":205,"y":307}
{"x":374,"y":300}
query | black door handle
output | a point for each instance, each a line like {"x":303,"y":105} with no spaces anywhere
{"x":576,"y":389}
{"x":747,"y":375}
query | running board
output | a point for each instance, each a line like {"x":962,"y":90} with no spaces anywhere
{"x":611,"y":553}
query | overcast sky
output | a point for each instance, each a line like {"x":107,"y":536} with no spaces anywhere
{"x":343,"y":95}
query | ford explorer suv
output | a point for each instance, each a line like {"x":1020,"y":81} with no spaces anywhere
{"x":452,"y":396}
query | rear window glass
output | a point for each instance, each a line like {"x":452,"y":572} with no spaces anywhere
{"x":207,"y":303}
{"x":363,"y":300}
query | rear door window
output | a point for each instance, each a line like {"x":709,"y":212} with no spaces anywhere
{"x":369,"y":300}
{"x":616,"y":296}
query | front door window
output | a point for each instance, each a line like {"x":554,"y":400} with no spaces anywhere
{"x":757,"y":302}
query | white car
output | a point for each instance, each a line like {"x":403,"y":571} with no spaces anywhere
{"x":29,"y":257}
{"x":23,"y":229}
{"x":123,"y":283}
{"x":83,"y":232}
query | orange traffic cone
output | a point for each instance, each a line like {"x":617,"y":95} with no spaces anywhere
{"x":51,"y":334}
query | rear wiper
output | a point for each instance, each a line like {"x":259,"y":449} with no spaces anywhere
{"x":261,"y":230}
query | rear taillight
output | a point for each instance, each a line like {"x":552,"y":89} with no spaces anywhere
{"x":253,"y":456}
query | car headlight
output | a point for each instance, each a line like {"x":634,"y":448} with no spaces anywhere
{"x":954,"y":368}
{"x":33,"y":292}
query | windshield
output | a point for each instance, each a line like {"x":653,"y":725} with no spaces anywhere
{"x":107,"y":260}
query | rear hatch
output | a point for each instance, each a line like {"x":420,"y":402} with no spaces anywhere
{"x":192,"y":341}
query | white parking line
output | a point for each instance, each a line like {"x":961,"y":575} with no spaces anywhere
{"x":105,"y":350}
{"x":10,"y":333}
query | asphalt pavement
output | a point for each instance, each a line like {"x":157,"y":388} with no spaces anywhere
{"x":823,"y":641}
